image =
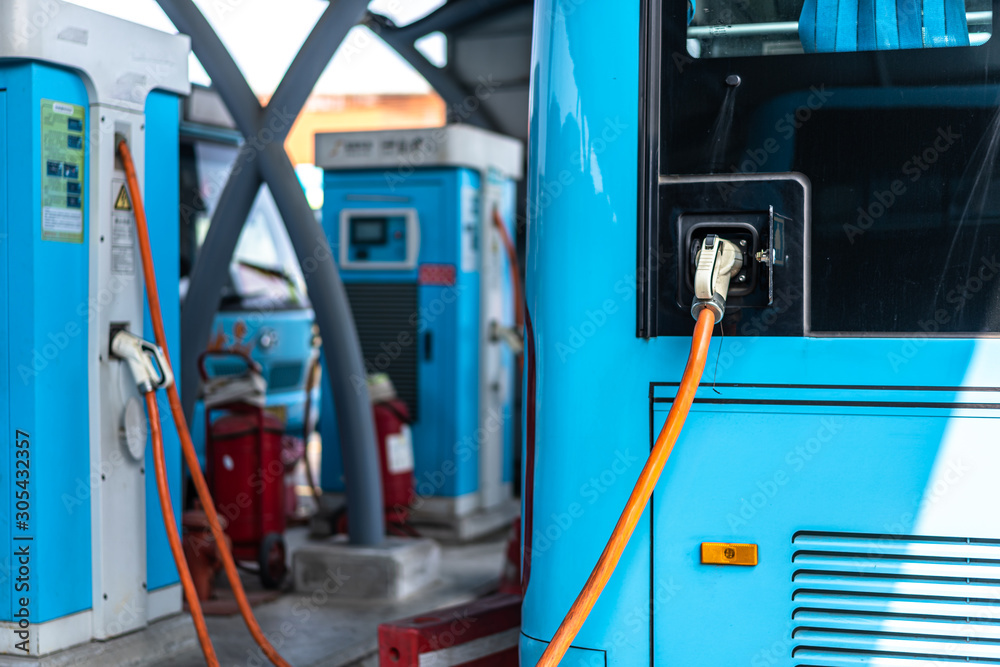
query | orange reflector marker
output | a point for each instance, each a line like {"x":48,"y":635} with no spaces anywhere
{"x":725,"y":553}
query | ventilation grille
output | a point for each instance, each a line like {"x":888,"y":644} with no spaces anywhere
{"x":891,"y":601}
{"x":284,"y":375}
{"x":225,"y":368}
{"x":385,"y":315}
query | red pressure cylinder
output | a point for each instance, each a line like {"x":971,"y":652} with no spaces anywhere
{"x":248,"y":476}
{"x":395,"y":447}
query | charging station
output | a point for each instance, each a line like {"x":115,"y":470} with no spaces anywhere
{"x":86,"y":554}
{"x":410,"y":215}
{"x":829,"y":500}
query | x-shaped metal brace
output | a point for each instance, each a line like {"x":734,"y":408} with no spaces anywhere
{"x":262,"y":158}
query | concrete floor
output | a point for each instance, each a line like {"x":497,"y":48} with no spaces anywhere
{"x":341,"y":634}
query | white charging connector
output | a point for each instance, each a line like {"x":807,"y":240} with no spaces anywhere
{"x":717,"y":262}
{"x":147,"y":361}
{"x":508,"y":335}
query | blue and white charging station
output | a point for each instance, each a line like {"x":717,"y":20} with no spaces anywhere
{"x":846,"y":425}
{"x":85,"y":551}
{"x":410,"y":218}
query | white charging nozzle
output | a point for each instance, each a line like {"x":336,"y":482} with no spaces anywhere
{"x":718,"y":261}
{"x":147,"y":361}
{"x":508,"y":335}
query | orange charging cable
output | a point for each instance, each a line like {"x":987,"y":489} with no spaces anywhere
{"x":190,"y":455}
{"x":515,"y":269}
{"x":636,"y":504}
{"x":170,"y":521}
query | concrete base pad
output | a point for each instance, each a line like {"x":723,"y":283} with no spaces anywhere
{"x":394,"y":571}
{"x":469,"y":527}
{"x":162,"y":639}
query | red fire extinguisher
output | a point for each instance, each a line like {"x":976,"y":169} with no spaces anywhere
{"x":395,"y":450}
{"x":395,"y":446}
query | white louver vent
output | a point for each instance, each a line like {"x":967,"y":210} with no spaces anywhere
{"x":891,"y":601}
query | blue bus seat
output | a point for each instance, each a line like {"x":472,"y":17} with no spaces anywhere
{"x":871,"y":25}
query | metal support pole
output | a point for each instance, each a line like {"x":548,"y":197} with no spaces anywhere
{"x":462,"y":105}
{"x":210,"y":271}
{"x":264,"y":152}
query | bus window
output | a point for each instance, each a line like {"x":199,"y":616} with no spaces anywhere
{"x":726,"y":28}
{"x":899,"y":149}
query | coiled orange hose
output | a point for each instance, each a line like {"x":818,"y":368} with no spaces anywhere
{"x":636,"y":504}
{"x":190,"y":455}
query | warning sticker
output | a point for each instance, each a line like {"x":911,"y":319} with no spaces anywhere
{"x":122,"y":230}
{"x":122,"y":202}
{"x":63,"y":169}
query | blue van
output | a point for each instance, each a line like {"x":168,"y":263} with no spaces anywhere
{"x":264,"y":311}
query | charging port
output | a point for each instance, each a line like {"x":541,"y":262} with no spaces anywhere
{"x":767,"y":211}
{"x":743,"y":237}
{"x":750,"y":233}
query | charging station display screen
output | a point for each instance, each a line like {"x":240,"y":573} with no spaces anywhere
{"x":369,"y":231}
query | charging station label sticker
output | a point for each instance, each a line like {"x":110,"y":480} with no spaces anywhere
{"x":63,"y":143}
{"x":399,"y":451}
{"x":122,"y":234}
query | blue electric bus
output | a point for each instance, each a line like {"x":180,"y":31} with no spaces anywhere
{"x":831,"y":500}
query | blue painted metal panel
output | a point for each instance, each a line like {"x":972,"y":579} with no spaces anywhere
{"x":46,"y":372}
{"x":160,"y":190}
